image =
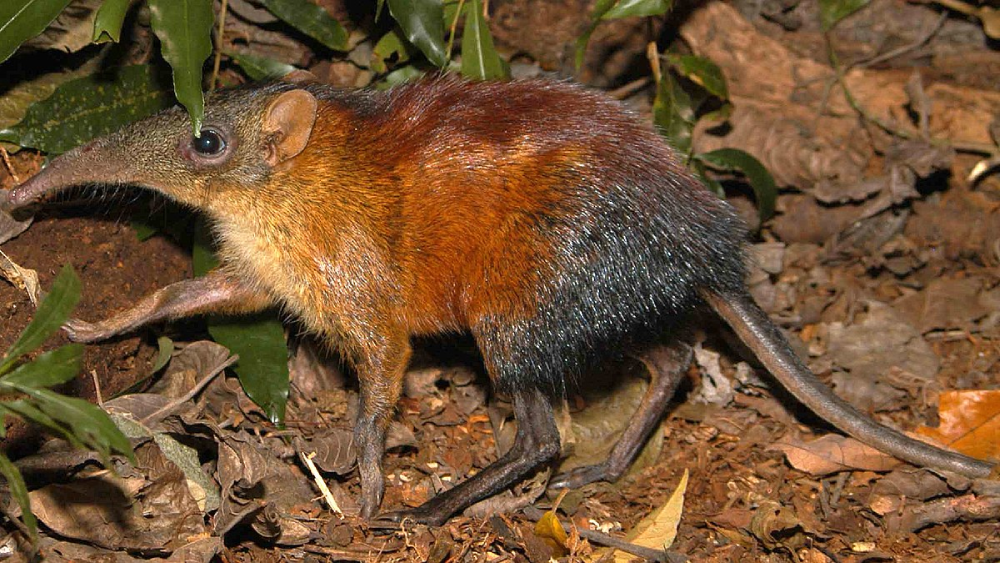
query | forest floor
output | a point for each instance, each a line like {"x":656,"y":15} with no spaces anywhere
{"x":898,"y":309}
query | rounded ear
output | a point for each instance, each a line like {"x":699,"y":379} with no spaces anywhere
{"x":289,"y":121}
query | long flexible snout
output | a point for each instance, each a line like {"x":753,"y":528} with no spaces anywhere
{"x":74,"y":168}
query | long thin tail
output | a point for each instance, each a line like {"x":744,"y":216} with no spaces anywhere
{"x":757,"y":331}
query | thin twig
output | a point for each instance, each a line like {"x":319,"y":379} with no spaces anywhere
{"x":97,"y":388}
{"x":627,"y":90}
{"x":900,"y":51}
{"x":617,"y":543}
{"x":173,"y":405}
{"x":454,"y":26}
{"x":219,"y":35}
{"x":6,"y":163}
{"x":307,"y":458}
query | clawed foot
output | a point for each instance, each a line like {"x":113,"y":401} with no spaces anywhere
{"x":82,"y":331}
{"x":580,"y":476}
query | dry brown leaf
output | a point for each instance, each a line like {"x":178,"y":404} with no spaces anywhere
{"x":970,"y":423}
{"x":880,"y":340}
{"x":833,"y":453}
{"x":10,"y":227}
{"x":775,"y":526}
{"x":945,"y":303}
{"x":151,"y":513}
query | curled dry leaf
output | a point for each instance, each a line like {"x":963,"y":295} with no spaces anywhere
{"x":253,"y":478}
{"x":153,"y":511}
{"x":23,"y":278}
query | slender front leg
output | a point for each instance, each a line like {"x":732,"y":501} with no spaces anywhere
{"x":380,"y":373}
{"x":216,"y":292}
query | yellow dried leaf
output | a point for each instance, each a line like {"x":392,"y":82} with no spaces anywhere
{"x":551,"y":531}
{"x":659,"y":529}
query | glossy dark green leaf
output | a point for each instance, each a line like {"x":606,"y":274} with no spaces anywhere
{"x":259,"y":68}
{"x":21,"y":20}
{"x":258,"y":340}
{"x":423,"y":23}
{"x":108,"y":22}
{"x":89,"y":107}
{"x":764,"y":188}
{"x":52,"y":312}
{"x":637,"y":8}
{"x":378,"y":9}
{"x":703,"y":72}
{"x":184,"y":28}
{"x":673,"y":114}
{"x":480,"y":60}
{"x":263,"y":364}
{"x":309,"y":18}
{"x":19,"y":491}
{"x":48,"y":369}
{"x":832,"y":11}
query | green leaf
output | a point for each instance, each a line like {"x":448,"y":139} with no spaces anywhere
{"x":88,"y":423}
{"x":165,"y":349}
{"x":51,"y":314}
{"x":18,"y":490}
{"x":423,"y":23}
{"x":48,"y":369}
{"x":89,"y":107}
{"x":258,"y":340}
{"x":640,"y":8}
{"x":108,"y":22}
{"x":480,"y":60}
{"x":713,"y":185}
{"x":263,"y":364}
{"x":832,"y":11}
{"x":672,"y":113}
{"x":259,"y":68}
{"x":703,"y":72}
{"x":399,"y":76}
{"x":392,"y":43}
{"x":760,"y":179}
{"x":310,"y":19}
{"x":600,"y":8}
{"x":29,"y":411}
{"x":184,"y":28}
{"x":21,"y":20}
{"x":378,"y":9}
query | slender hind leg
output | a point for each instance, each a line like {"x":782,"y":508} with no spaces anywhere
{"x":536,"y":441}
{"x":666,"y":365}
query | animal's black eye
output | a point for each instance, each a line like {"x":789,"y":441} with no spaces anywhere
{"x":210,"y":143}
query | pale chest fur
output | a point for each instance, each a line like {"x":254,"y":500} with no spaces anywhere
{"x":336,"y":285}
